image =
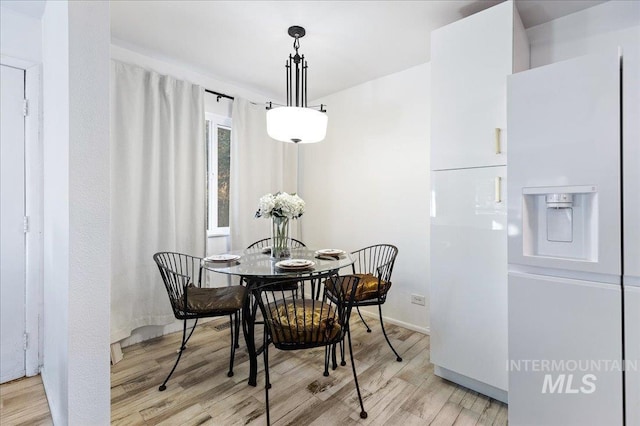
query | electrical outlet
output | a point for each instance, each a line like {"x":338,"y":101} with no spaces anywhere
{"x":418,"y":299}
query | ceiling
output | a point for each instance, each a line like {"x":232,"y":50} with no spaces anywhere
{"x":246,"y":42}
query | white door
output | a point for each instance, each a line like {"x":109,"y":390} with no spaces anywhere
{"x":469,"y":273}
{"x":12,"y":209}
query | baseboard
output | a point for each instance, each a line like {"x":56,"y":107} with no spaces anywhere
{"x":54,"y":410}
{"x":468,"y":382}
{"x":413,"y":327}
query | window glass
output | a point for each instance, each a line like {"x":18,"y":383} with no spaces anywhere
{"x":218,"y":136}
{"x":224,"y":167}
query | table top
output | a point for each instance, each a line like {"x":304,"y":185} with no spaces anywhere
{"x":255,"y":263}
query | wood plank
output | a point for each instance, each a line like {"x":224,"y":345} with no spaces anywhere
{"x":405,"y":393}
{"x":467,"y":417}
{"x":447,"y":415}
{"x":23,"y":402}
{"x":429,"y":398}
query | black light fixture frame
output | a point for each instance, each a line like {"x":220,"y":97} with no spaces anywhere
{"x":297,"y":66}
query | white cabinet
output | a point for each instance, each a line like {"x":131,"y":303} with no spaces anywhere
{"x":470,"y":60}
{"x":469,"y":273}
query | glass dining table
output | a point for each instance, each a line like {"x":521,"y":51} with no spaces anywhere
{"x":255,"y":266}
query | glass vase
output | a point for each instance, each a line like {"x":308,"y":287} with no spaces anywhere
{"x":280,"y":238}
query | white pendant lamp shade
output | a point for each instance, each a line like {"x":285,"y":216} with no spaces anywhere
{"x":296,"y":122}
{"x":296,"y":125}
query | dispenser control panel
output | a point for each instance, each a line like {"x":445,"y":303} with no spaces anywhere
{"x":561,"y":222}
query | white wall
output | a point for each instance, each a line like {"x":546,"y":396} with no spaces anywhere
{"x":56,"y":207}
{"x":20,"y":36}
{"x":368,"y":182}
{"x":76,"y":372}
{"x":605,"y":26}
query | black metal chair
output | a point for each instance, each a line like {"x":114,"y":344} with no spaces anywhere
{"x":182,"y":276}
{"x":295,"y":322}
{"x":373,"y":265}
{"x":265,"y":242}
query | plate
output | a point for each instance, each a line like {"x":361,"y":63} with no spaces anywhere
{"x":330,"y":252}
{"x":295,"y":264}
{"x":222,"y":258}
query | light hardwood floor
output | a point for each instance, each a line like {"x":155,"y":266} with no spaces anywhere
{"x":395,"y":393}
{"x":23,"y":402}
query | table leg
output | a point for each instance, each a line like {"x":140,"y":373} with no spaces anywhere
{"x":248,"y":328}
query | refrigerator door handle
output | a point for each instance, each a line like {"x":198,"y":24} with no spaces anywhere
{"x":498,"y":189}
{"x":498,"y":133}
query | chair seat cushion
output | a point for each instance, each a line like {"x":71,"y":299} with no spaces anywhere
{"x":303,"y":321}
{"x":214,"y":300}
{"x":367,"y":287}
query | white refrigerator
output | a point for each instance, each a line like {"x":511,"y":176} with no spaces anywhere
{"x":566,"y":229}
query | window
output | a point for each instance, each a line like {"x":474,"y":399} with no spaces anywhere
{"x":218,"y":135}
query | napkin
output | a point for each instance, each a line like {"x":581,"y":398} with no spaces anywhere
{"x":327,"y":256}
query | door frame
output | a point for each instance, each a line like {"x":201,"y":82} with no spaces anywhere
{"x":34,"y":180}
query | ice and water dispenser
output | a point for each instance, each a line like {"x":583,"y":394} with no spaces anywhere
{"x":561,"y":222}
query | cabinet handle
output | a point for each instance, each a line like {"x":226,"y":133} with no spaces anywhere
{"x":498,"y":189}
{"x":497,"y":140}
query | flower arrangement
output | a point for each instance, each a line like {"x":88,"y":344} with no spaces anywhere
{"x":280,"y":205}
{"x":280,"y":208}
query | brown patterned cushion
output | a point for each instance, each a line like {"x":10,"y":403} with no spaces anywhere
{"x":305,"y":321}
{"x":367,"y":287}
{"x":208,"y":300}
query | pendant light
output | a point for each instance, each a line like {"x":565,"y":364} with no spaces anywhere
{"x":296,"y":122}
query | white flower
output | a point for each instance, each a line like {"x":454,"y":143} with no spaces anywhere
{"x":280,"y":205}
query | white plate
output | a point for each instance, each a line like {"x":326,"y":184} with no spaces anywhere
{"x":222,"y":258}
{"x":330,"y":252}
{"x":295,"y":264}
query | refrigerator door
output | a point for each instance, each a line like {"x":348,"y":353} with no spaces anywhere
{"x":564,"y":144}
{"x":631,"y":165}
{"x":565,"y":352}
{"x":631,"y":279}
{"x":468,"y":295}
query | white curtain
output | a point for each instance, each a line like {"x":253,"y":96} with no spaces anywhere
{"x":158,"y":172}
{"x":259,"y":165}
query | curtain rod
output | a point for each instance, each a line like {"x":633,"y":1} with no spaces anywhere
{"x":218,"y":95}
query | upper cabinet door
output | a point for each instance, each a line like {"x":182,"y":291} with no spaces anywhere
{"x":470,"y":60}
